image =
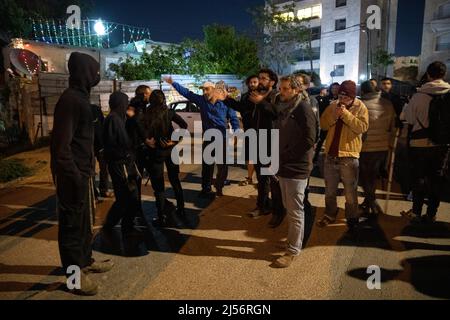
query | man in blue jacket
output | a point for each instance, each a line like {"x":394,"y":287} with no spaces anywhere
{"x":215,"y":115}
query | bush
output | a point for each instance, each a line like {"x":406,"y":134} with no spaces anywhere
{"x":12,"y":169}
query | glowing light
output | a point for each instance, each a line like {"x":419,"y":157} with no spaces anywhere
{"x":99,"y":28}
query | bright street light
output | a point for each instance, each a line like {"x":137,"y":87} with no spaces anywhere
{"x":99,"y":28}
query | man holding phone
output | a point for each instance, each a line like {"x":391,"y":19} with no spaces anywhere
{"x":346,"y":120}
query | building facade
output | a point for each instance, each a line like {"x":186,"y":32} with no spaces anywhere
{"x":436,"y":34}
{"x":344,"y":46}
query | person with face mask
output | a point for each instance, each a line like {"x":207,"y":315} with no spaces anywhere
{"x":158,"y":128}
{"x":345,"y":120}
{"x":72,"y":164}
{"x":215,"y":115}
{"x":122,"y":168}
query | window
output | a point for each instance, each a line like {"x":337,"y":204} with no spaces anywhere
{"x":339,"y":47}
{"x":311,"y":12}
{"x":303,"y":54}
{"x":443,"y":42}
{"x":181,"y":107}
{"x":444,"y":11}
{"x":341,"y":3}
{"x":316,"y":33}
{"x":341,"y":24}
{"x":339,"y":70}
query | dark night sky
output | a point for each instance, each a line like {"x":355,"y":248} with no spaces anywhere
{"x":174,"y":20}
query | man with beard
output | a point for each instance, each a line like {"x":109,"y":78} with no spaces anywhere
{"x":252,"y":83}
{"x":263,"y":120}
{"x":72,"y":163}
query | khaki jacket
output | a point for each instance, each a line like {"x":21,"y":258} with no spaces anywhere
{"x":356,"y":123}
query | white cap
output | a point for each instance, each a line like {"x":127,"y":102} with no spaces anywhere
{"x":208,"y":84}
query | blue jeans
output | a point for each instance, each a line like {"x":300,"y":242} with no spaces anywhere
{"x":347,"y":171}
{"x":293,"y":193}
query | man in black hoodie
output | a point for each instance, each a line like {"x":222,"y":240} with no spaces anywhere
{"x":119,"y":155}
{"x":72,"y":164}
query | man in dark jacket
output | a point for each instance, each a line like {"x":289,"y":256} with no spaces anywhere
{"x":295,"y":118}
{"x":263,"y":120}
{"x":72,"y":162}
{"x":122,"y":167}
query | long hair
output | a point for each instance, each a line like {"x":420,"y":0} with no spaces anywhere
{"x":156,"y":120}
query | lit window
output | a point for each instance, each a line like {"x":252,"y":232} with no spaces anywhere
{"x":317,"y":11}
{"x":311,"y":12}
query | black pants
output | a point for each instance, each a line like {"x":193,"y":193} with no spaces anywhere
{"x":428,"y":179}
{"x":208,"y":171}
{"x":103,"y":174}
{"x":126,"y":206}
{"x":156,"y":170}
{"x":371,"y":164}
{"x":268,"y":184}
{"x":75,"y":214}
{"x":323,"y":136}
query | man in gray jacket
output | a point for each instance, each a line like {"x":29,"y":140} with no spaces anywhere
{"x":378,"y":140}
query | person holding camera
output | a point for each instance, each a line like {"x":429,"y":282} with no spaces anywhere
{"x":158,"y":127}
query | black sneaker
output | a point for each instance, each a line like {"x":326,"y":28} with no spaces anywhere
{"x":276,"y":221}
{"x":428,"y":219}
{"x":207,"y":194}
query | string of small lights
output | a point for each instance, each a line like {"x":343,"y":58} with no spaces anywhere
{"x":92,"y":33}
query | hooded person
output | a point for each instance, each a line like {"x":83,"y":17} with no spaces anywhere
{"x":72,"y":164}
{"x":427,"y":156}
{"x":121,"y":165}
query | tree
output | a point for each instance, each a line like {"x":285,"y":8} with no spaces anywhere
{"x":221,"y":52}
{"x":232,"y":53}
{"x":383,"y":60}
{"x":280,"y":33}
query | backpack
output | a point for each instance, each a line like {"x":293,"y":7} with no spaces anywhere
{"x":439,"y":117}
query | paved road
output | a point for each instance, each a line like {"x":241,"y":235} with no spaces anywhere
{"x":219,"y":253}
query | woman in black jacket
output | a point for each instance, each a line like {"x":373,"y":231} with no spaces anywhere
{"x":158,"y":127}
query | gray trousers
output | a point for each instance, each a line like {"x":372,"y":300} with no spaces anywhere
{"x":347,"y":171}
{"x":293,"y":194}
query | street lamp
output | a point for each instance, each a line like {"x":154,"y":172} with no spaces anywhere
{"x":99,"y":28}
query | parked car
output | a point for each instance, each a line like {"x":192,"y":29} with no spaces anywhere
{"x":189,"y":111}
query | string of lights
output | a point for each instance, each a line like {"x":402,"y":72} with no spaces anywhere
{"x":92,"y":33}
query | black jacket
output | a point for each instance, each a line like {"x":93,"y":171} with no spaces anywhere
{"x":99,"y":122}
{"x":297,"y":126}
{"x":72,"y":140}
{"x":158,"y":125}
{"x":246,"y":108}
{"x":117,"y":144}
